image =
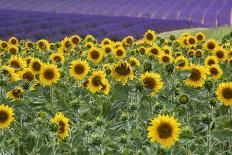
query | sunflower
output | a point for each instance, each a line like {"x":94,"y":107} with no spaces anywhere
{"x":13,"y":49}
{"x":35,"y":85}
{"x":49,"y":74}
{"x":79,"y":69}
{"x":89,"y":38}
{"x":118,"y":44}
{"x":105,"y":42}
{"x":167,"y":50}
{"x":52,"y":46}
{"x":9,"y":71}
{"x":185,"y":35}
{"x":152,"y":81}
{"x":13,"y":41}
{"x":197,"y":76}
{"x":57,"y":57}
{"x":63,"y":51}
{"x":182,"y":63}
{"x":27,"y":74}
{"x":107,"y":49}
{"x":4,"y":44}
{"x":35,"y":65}
{"x":191,"y":52}
{"x":164,"y":129}
{"x":184,"y":41}
{"x":220,"y":53}
{"x":105,"y":87}
{"x":165,"y":58}
{"x":224,"y":93}
{"x":95,"y":55}
{"x":150,"y":36}
{"x":75,"y":40}
{"x":128,"y":41}
{"x":89,"y":45}
{"x":178,"y":54}
{"x":191,"y":41}
{"x":215,"y":71}
{"x":62,"y":121}
{"x":230,"y":61}
{"x":119,"y":52}
{"x":154,"y":50}
{"x":210,"y":44}
{"x":15,"y":94}
{"x":200,"y":37}
{"x":6,"y":116}
{"x":66,"y":43}
{"x":95,"y":81}
{"x":122,"y":71}
{"x":43,"y":45}
{"x":17,"y":62}
{"x":29,"y":45}
{"x":142,"y":50}
{"x":199,"y":53}
{"x":134,"y":61}
{"x":210,"y":60}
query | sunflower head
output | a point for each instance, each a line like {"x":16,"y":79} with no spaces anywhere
{"x":79,"y":69}
{"x":150,"y":36}
{"x":66,"y":43}
{"x":134,"y":61}
{"x":17,"y":62}
{"x":95,"y":55}
{"x":128,"y":41}
{"x":210,"y":60}
{"x":15,"y":94}
{"x":106,"y":42}
{"x":220,"y":53}
{"x":6,"y":116}
{"x":199,"y":53}
{"x":107,"y":49}
{"x":167,"y":50}
{"x":43,"y":45}
{"x":164,"y":129}
{"x":165,"y":58}
{"x":57,"y":57}
{"x":35,"y":65}
{"x":75,"y":40}
{"x":200,"y":37}
{"x":13,"y":49}
{"x":105,"y":87}
{"x":224,"y":93}
{"x":13,"y":41}
{"x":181,"y":63}
{"x":154,"y":50}
{"x":27,"y":74}
{"x":119,"y":52}
{"x":95,"y":81}
{"x":62,"y":121}
{"x":4,"y":44}
{"x":210,"y":44}
{"x":215,"y":71}
{"x":49,"y":74}
{"x":29,"y":45}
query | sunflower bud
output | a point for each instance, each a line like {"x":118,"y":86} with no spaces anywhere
{"x":41,"y":115}
{"x":169,"y":43}
{"x":26,"y":85}
{"x":151,"y":57}
{"x":172,"y":37}
{"x":169,"y":68}
{"x":162,"y":41}
{"x":205,"y":119}
{"x":124,"y":116}
{"x":213,"y":102}
{"x":183,"y":99}
{"x":147,"y":67}
{"x":96,"y":139}
{"x":208,"y":85}
{"x":132,"y":52}
{"x":88,"y":126}
{"x":111,"y":60}
{"x":108,"y":71}
{"x":139,"y":87}
{"x":123,"y":139}
{"x":132,"y":107}
{"x":99,"y":121}
{"x":187,"y":132}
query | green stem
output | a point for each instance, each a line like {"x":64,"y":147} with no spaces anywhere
{"x":54,"y":145}
{"x":51,"y":94}
{"x":173,"y":87}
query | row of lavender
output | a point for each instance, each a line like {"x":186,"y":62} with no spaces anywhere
{"x":37,"y":25}
{"x":207,"y":12}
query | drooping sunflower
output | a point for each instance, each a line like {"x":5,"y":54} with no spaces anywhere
{"x":27,"y":74}
{"x":181,"y":63}
{"x":220,"y":53}
{"x":49,"y":74}
{"x":89,"y":38}
{"x":152,"y":81}
{"x":191,"y":52}
{"x":197,"y":76}
{"x":9,"y":71}
{"x":75,"y":40}
{"x":62,"y":121}
{"x":119,"y":52}
{"x":107,"y":49}
{"x":52,"y":46}
{"x":6,"y":116}
{"x":211,"y":44}
{"x":184,"y":42}
{"x":13,"y":49}
{"x":57,"y":57}
{"x":43,"y":45}
{"x":15,"y":94}
{"x":154,"y":50}
{"x":200,"y":37}
{"x":95,"y":55}
{"x":134,"y":61}
{"x":150,"y":36}
{"x":164,"y":129}
{"x":167,"y":50}
{"x":105,"y":87}
{"x":95,"y":81}
{"x":4,"y":45}
{"x":224,"y":93}
{"x":79,"y":69}
{"x":128,"y":41}
{"x":17,"y":62}
{"x":66,"y":43}
{"x":35,"y":65}
{"x":122,"y":71}
{"x":13,"y":41}
{"x":210,"y":60}
{"x":215,"y":71}
{"x":165,"y":58}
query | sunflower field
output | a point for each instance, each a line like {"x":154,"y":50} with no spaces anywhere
{"x":155,"y":95}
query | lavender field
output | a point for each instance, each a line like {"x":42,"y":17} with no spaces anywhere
{"x":105,"y":77}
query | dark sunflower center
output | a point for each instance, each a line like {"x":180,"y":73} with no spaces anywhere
{"x":57,"y":58}
{"x":79,"y":69}
{"x":29,"y":45}
{"x":106,"y":43}
{"x":103,"y":87}
{"x":199,"y":37}
{"x":191,"y":41}
{"x":191,"y":53}
{"x":178,"y":54}
{"x":67,"y":44}
{"x":85,"y":83}
{"x":119,"y":52}
{"x":227,"y":93}
{"x":211,"y":62}
{"x":164,"y":130}
{"x":36,"y":66}
{"x":195,"y":75}
{"x":17,"y":93}
{"x":133,"y":63}
{"x":213,"y":71}
{"x":129,"y":41}
{"x":15,"y":64}
{"x":49,"y":74}
{"x":166,"y":51}
{"x":154,"y":51}
{"x":4,"y":45}
{"x":185,"y":42}
{"x":181,"y":63}
{"x":107,"y":50}
{"x":198,"y":54}
{"x":62,"y":127}
{"x":75,"y":40}
{"x":165,"y":59}
{"x":13,"y":41}
{"x":28,"y":76}
{"x":95,"y":55}
{"x":28,"y":61}
{"x":220,"y":54}
{"x":149,"y":36}
{"x":149,"y":83}
{"x":122,"y":69}
{"x":41,"y":45}
{"x":12,"y":50}
{"x":3,"y":116}
{"x":89,"y":46}
{"x":96,"y":81}
{"x":211,"y":45}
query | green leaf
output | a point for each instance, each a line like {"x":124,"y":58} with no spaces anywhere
{"x":136,"y":133}
{"x":224,"y":134}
